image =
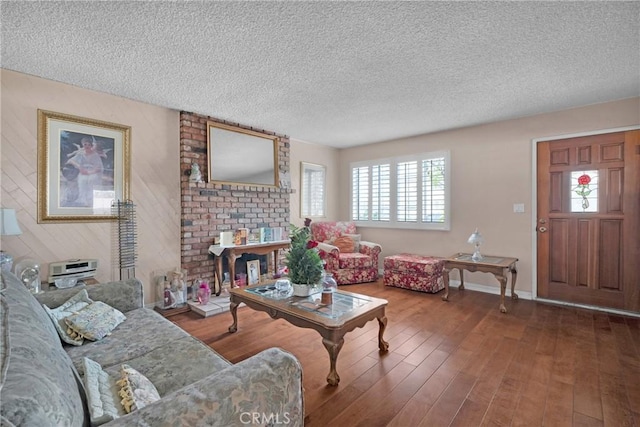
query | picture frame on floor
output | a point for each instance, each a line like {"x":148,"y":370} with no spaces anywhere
{"x":253,"y":272}
{"x":83,"y":167}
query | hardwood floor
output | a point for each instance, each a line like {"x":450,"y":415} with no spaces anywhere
{"x":461,"y":363}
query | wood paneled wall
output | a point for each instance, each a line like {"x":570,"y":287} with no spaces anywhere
{"x":155,"y":178}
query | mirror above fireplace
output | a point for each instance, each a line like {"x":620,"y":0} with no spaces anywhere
{"x":241,"y":156}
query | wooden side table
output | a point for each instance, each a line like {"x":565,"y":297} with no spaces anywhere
{"x":234,"y":251}
{"x":496,"y":265}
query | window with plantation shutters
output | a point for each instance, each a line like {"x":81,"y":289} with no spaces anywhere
{"x":406,"y":193}
{"x":403,"y":192}
{"x":312,"y":190}
{"x":433,"y":190}
{"x":360,"y":201}
{"x":380,"y":192}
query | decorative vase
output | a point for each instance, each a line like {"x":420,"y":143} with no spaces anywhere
{"x":204,"y":293}
{"x":329,"y":286}
{"x":304,"y":290}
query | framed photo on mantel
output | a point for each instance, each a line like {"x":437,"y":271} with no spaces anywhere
{"x":83,"y":167}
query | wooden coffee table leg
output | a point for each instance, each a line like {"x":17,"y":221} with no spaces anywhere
{"x":233,"y":308}
{"x":382,"y":344}
{"x":333,"y":348}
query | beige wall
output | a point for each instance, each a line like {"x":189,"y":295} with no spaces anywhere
{"x":155,"y":179}
{"x":320,"y":155}
{"x":491,"y":168}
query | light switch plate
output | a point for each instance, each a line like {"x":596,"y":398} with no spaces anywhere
{"x":518,"y":207}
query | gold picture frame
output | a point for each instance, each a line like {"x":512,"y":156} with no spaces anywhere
{"x":241,"y":156}
{"x":83,"y":166}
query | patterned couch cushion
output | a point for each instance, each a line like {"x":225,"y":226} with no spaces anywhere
{"x":355,"y":260}
{"x":195,"y":361}
{"x":40,"y":388}
{"x":143,"y":331}
{"x":329,"y":231}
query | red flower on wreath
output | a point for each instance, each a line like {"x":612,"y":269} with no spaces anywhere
{"x":584,"y":180}
{"x":312,"y":244}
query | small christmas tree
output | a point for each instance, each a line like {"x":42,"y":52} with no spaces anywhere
{"x":303,"y":260}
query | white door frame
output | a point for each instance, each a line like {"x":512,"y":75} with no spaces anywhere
{"x":534,"y":215}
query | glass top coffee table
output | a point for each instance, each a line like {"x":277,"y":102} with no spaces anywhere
{"x":347,"y":312}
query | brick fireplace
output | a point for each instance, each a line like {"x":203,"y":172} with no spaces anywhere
{"x":208,"y":208}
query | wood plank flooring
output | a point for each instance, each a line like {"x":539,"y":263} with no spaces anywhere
{"x":461,"y":363}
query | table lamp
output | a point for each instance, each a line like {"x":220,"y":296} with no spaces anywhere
{"x":476,"y":240}
{"x":8,"y":227}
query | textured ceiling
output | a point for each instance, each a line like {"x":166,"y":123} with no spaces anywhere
{"x":335,"y":73}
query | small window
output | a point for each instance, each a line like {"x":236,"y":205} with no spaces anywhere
{"x":312,"y":188}
{"x":584,"y":191}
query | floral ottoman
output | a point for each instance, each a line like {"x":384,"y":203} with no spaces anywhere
{"x":415,"y":272}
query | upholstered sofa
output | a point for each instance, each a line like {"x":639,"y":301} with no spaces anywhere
{"x":43,"y":382}
{"x":355,"y":262}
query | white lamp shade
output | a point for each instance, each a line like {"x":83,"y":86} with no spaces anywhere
{"x":475,"y":237}
{"x":8,"y":223}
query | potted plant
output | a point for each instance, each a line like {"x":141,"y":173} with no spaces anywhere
{"x":303,"y":261}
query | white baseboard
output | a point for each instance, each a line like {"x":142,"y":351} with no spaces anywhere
{"x":486,"y":289}
{"x":491,"y":289}
{"x":529,"y":296}
{"x":589,"y":307}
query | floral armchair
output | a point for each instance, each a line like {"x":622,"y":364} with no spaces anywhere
{"x":348,"y":258}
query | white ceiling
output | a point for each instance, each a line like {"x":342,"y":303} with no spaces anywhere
{"x":335,"y":73}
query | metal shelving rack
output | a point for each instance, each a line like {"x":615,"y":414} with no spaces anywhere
{"x":126,"y":233}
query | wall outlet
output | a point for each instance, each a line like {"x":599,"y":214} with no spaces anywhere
{"x":518,"y":208}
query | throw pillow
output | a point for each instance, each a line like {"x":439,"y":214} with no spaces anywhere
{"x":71,"y":306}
{"x":356,"y":241}
{"x":136,"y":390}
{"x":344,"y":244}
{"x":101,"y":395}
{"x":93,"y":322}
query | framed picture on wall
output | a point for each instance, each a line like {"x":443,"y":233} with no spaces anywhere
{"x":253,"y":272}
{"x":83,"y":166}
